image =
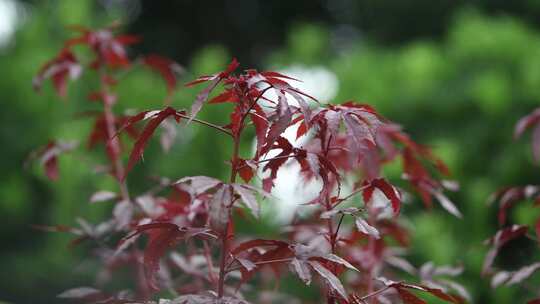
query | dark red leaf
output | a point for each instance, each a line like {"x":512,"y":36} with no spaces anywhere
{"x":387,"y":189}
{"x":219,"y":212}
{"x":203,"y":96}
{"x":258,"y":117}
{"x":537,"y":228}
{"x":109,"y":49}
{"x":408,"y":297}
{"x":277,"y":75}
{"x":248,"y":197}
{"x":508,"y":197}
{"x":48,"y":156}
{"x":168,"y":69}
{"x":502,"y":237}
{"x":527,"y":122}
{"x":507,"y":234}
{"x":51,"y":168}
{"x":138,"y":147}
{"x":230,"y":68}
{"x":162,"y":237}
{"x":329,"y":277}
{"x":279,"y":126}
{"x":441,"y":294}
{"x":245,"y":171}
{"x":275,"y":163}
{"x":302,"y":130}
{"x":257,"y":243}
{"x":128,"y":39}
{"x":227,"y":96}
{"x":59,"y":69}
{"x":201,"y":79}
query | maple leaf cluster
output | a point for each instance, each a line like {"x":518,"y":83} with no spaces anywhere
{"x":507,"y":198}
{"x":179,"y":237}
{"x":111,"y":62}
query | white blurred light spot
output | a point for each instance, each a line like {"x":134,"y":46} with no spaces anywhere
{"x":11,"y":16}
{"x":380,"y":202}
{"x":316,"y":81}
{"x":291,"y":190}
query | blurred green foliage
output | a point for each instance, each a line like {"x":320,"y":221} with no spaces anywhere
{"x":461,"y":94}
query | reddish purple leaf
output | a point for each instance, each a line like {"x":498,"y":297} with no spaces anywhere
{"x":168,"y":69}
{"x":507,"y":234}
{"x":138,"y":147}
{"x":526,"y":122}
{"x":537,"y":229}
{"x":502,"y":237}
{"x":278,"y":126}
{"x":109,"y":49}
{"x":219,"y":211}
{"x":301,"y":269}
{"x":247,"y":195}
{"x":387,"y":189}
{"x":202,"y":97}
{"x":59,"y":69}
{"x":162,"y":237}
{"x":329,"y":278}
{"x":260,"y":122}
{"x":366,"y":228}
{"x":277,"y":75}
{"x":408,"y":297}
{"x":48,"y":156}
{"x":257,"y":243}
{"x":227,"y":96}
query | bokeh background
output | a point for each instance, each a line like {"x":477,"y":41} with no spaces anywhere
{"x":456,"y":74}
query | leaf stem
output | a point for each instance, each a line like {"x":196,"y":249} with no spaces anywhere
{"x":261,"y":263}
{"x":223,"y":261}
{"x":234,"y":173}
{"x":211,"y":274}
{"x":224,"y":234}
{"x":113,"y":146}
{"x":375,"y":293}
{"x":269,"y":159}
{"x":371,"y":249}
{"x":337,"y":229}
{"x":350,"y":195}
{"x":206,"y":123}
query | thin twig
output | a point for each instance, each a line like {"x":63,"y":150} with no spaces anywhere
{"x":211,"y":274}
{"x":224,"y":234}
{"x":339,"y":201}
{"x":114,"y":142}
{"x":338,"y":226}
{"x":261,"y":263}
{"x":252,"y":105}
{"x":375,"y":293}
{"x":268,"y":160}
{"x":206,"y":123}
